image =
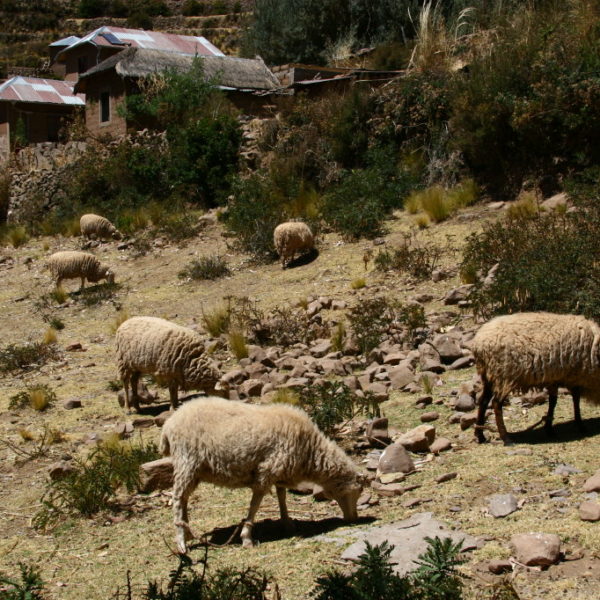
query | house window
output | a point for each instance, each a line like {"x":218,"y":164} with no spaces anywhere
{"x":104,"y":107}
{"x":82,"y":64}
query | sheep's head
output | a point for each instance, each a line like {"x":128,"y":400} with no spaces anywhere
{"x":117,"y":235}
{"x":346,"y":495}
{"x":207,"y":377}
{"x":109,"y":275}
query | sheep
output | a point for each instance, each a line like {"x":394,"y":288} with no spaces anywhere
{"x":173,"y":353}
{"x":71,"y":264}
{"x":536,"y":350}
{"x":94,"y":226}
{"x":292,"y":237}
{"x":234,"y":444}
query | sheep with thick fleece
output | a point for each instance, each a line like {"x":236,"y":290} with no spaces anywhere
{"x":94,"y":226}
{"x":292,"y":237}
{"x":174,"y":353}
{"x":233,"y":444}
{"x":71,"y":264}
{"x":515,"y":353}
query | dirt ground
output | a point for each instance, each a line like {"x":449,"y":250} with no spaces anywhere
{"x":90,"y":557}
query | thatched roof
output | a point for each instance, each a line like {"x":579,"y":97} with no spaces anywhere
{"x":227,"y":71}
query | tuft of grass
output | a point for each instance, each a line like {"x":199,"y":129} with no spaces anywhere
{"x":39,"y":397}
{"x":56,"y":323}
{"x":468,"y":274}
{"x":422,"y":221}
{"x":303,"y":303}
{"x":286,"y":396}
{"x":435,"y":203}
{"x":526,"y":206}
{"x":427,"y":385}
{"x":16,"y":236}
{"x":463,"y":194}
{"x":217,"y":320}
{"x":237,"y":344}
{"x":25,"y":434}
{"x":358,"y":283}
{"x":338,"y":337}
{"x":59,"y":295}
{"x":412,"y":204}
{"x":27,"y":356}
{"x":120,"y":318}
{"x":207,"y":267}
{"x":114,"y":385}
{"x":72,"y":227}
{"x":50,"y":336}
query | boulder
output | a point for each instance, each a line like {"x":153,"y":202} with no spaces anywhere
{"x":498,"y":566}
{"x":320,"y":348}
{"x":400,"y":376}
{"x":59,"y":470}
{"x":377,"y":431}
{"x":440,"y":445}
{"x":456,"y":295}
{"x":536,"y":549}
{"x":464,"y":403}
{"x":447,"y":347}
{"x":468,"y":419}
{"x":251,"y":387}
{"x":592,"y":484}
{"x":589,"y":511}
{"x":461,"y":363}
{"x":72,"y":403}
{"x":502,"y":505}
{"x":428,"y":417}
{"x":156,"y":475}
{"x":395,"y":459}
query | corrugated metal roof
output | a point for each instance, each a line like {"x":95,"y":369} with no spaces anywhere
{"x":45,"y":91}
{"x":68,"y":41}
{"x":155,"y":40}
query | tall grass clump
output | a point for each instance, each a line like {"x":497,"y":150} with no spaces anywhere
{"x":207,"y":267}
{"x":39,"y":397}
{"x":217,"y":320}
{"x":237,"y":343}
{"x":120,"y":317}
{"x":50,"y":336}
{"x":16,"y":236}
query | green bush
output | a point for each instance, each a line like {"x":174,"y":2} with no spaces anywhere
{"x":192,"y":8}
{"x":93,"y":485}
{"x":28,"y":585}
{"x":417,"y":259}
{"x":546,"y":262}
{"x":39,"y":397}
{"x":26,"y":356}
{"x":206,"y":267}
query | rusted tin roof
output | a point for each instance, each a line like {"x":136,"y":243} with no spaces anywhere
{"x":120,"y":37}
{"x":44,"y":91}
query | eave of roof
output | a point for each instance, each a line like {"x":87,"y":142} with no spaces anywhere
{"x":40,"y":91}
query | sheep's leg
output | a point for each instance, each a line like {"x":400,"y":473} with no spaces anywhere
{"x":288,"y":524}
{"x":497,"y":406}
{"x":173,"y":394}
{"x":135,"y":399}
{"x":484,"y":400}
{"x":246,"y":535}
{"x":552,"y":398}
{"x":182,"y":488}
{"x":576,"y":393}
{"x":126,"y":379}
{"x":82,"y":284}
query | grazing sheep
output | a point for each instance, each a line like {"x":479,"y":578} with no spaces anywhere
{"x":72,"y":264}
{"x":292,"y":237}
{"x":173,"y":353}
{"x":233,"y":444}
{"x":536,"y":350}
{"x":94,"y":226}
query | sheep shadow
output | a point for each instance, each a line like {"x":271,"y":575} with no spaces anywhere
{"x":156,"y":408}
{"x":303,"y":259}
{"x":272,"y":530}
{"x":563,"y":432}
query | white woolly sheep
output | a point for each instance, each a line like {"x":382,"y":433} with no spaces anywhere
{"x":71,"y":264}
{"x":94,"y":226}
{"x":174,"y":353}
{"x":233,"y":444}
{"x":292,"y":237}
{"x":536,"y":350}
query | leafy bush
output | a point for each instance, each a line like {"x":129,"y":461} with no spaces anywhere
{"x":206,"y":267}
{"x":39,"y":397}
{"x":28,"y":586}
{"x":546,"y":262}
{"x":26,"y":356}
{"x":417,"y":259}
{"x":92,"y":486}
{"x":16,"y":236}
{"x":374,"y":579}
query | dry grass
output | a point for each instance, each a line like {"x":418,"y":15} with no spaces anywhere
{"x":50,"y":336}
{"x":120,"y":318}
{"x":216,"y":320}
{"x":358,"y":283}
{"x":237,"y":344}
{"x":102,"y":550}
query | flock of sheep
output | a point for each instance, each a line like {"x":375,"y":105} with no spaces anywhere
{"x":234,"y":444}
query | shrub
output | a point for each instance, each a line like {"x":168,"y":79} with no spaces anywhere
{"x":374,"y":579}
{"x":28,"y":585}
{"x":417,"y":259}
{"x":39,"y":397}
{"x":338,"y":337}
{"x":546,"y":262}
{"x":328,"y":405}
{"x":56,"y":323}
{"x":525,"y":207}
{"x":37,"y":446}
{"x":58,"y":294}
{"x":26,"y":356}
{"x":206,"y":267}
{"x":92,"y":486}
{"x":226,"y":583}
{"x":369,"y":320}
{"x":192,"y":8}
{"x":16,"y":236}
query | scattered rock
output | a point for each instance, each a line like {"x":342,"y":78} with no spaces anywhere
{"x":391,"y":478}
{"x":457,"y":294}
{"x":428,"y":417}
{"x":447,"y":347}
{"x":589,"y":511}
{"x":461,"y":363}
{"x":464,"y":403}
{"x":418,"y":439}
{"x":74,"y":347}
{"x":72,"y":403}
{"x":497,"y":567}
{"x":60,"y":469}
{"x":502,"y":505}
{"x":390,"y":490}
{"x":160,"y":419}
{"x":467,"y":420}
{"x":251,"y":387}
{"x":424,"y":401}
{"x":377,"y":431}
{"x":536,"y":549}
{"x":143,"y":422}
{"x":400,"y":376}
{"x":440,"y":445}
{"x":566,"y":470}
{"x":156,"y":475}
{"x":592,"y":484}
{"x":395,"y":459}
{"x":446,"y":477}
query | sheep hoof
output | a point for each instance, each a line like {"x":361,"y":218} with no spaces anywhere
{"x":508,"y":441}
{"x":248,"y":543}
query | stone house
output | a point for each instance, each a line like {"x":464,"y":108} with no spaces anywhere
{"x":248,"y":83}
{"x":35,"y":109}
{"x":73,"y":56}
